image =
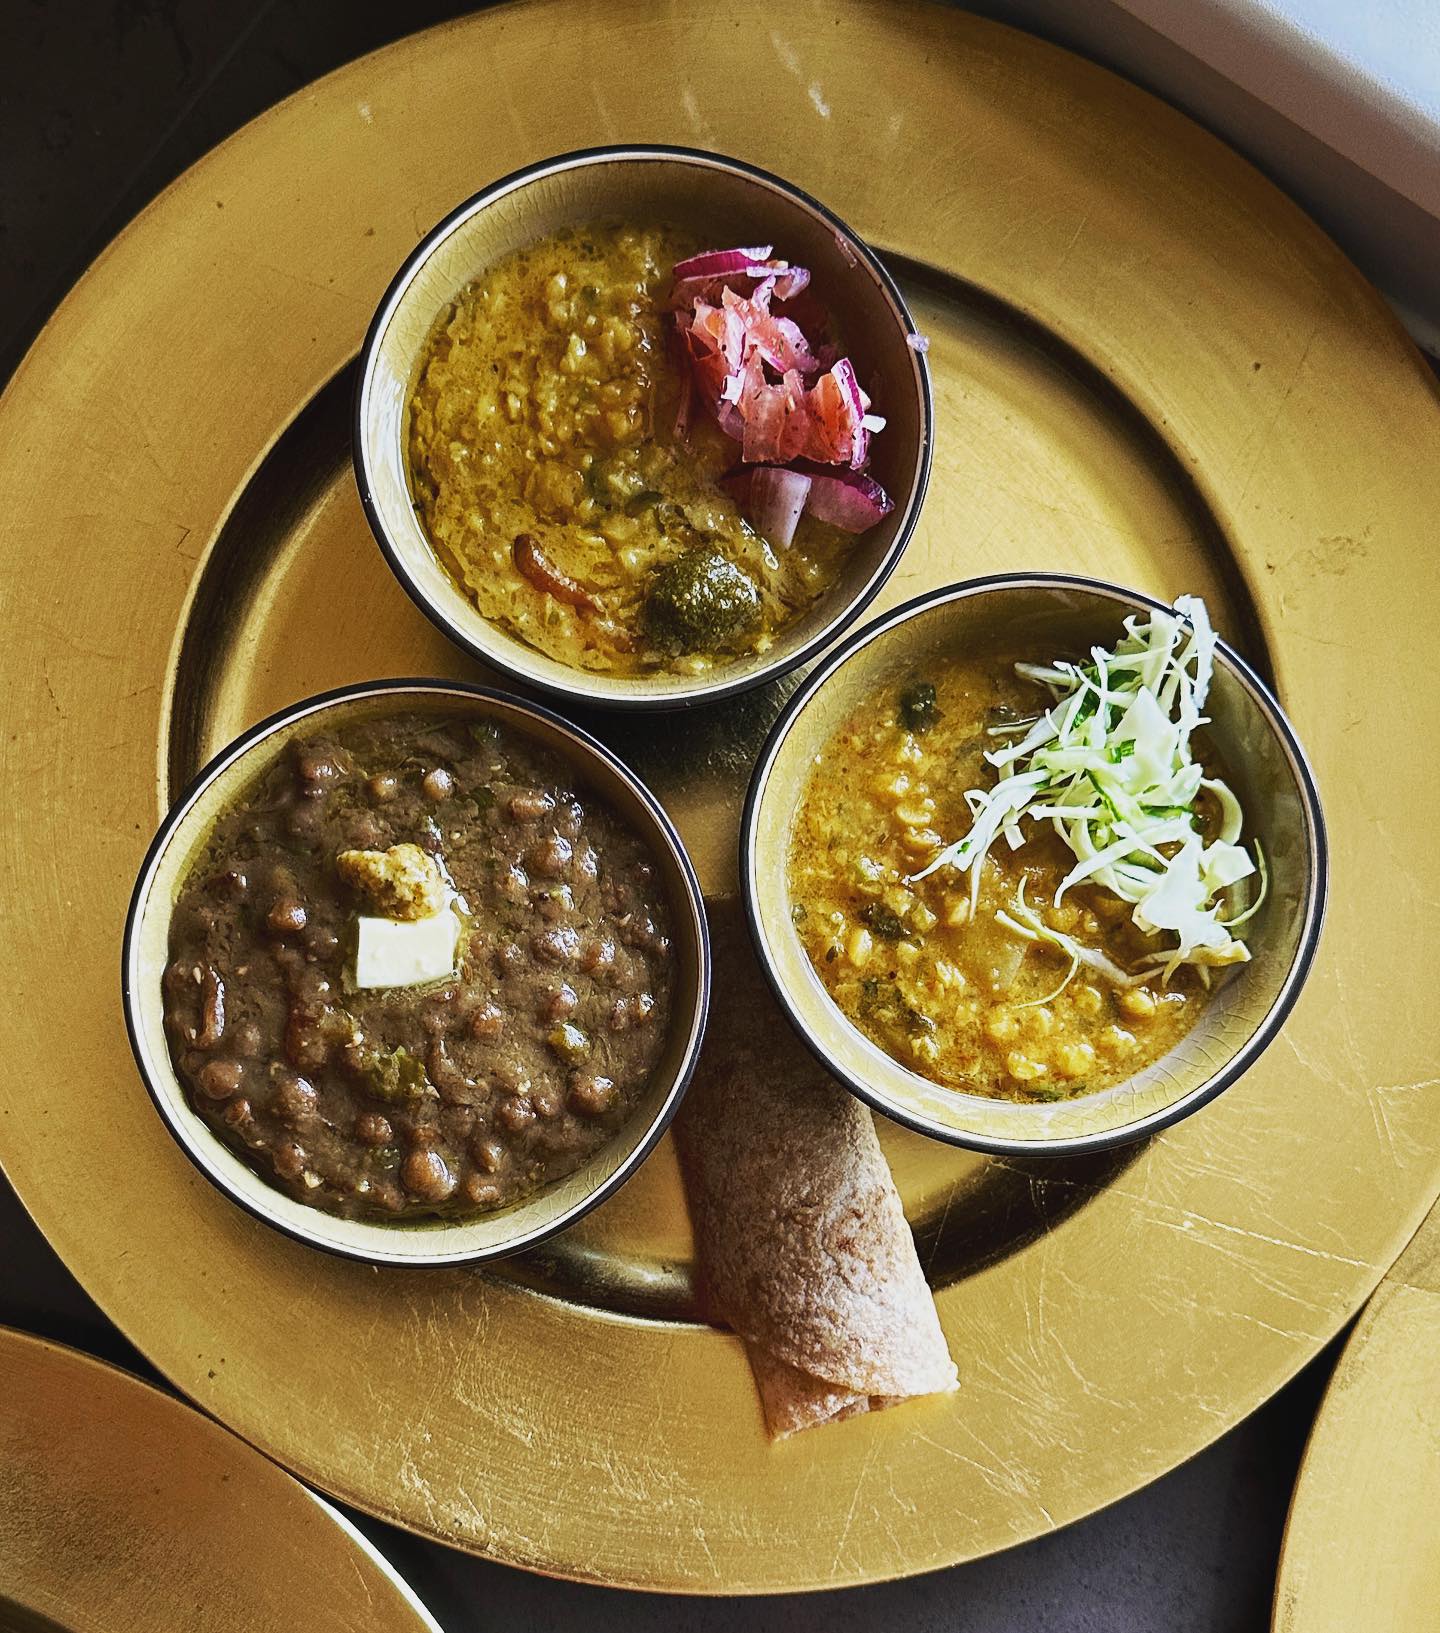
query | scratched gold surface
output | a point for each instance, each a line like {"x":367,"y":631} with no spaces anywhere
{"x":124,"y":1511}
{"x":1360,"y":1548}
{"x":1148,"y":364}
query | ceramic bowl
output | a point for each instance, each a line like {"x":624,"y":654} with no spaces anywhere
{"x":1049,"y":614}
{"x":420,"y":1241}
{"x":725,"y":202}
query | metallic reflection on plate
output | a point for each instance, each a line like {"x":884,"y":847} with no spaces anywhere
{"x":1148,"y":366}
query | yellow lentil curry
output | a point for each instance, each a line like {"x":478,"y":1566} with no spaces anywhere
{"x":958,"y":997}
{"x":547,"y":472}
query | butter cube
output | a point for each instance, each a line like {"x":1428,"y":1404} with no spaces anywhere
{"x":406,"y":953}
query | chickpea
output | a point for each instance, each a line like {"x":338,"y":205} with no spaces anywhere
{"x":372,"y":1129}
{"x":295,"y":1098}
{"x":287,"y":917}
{"x":1115,"y":1040}
{"x":560,"y":1003}
{"x":488,"y":1154}
{"x":558,"y":946}
{"x":438,"y":785}
{"x":1022,"y":1068}
{"x":1002,"y":1027}
{"x":289,"y":1159}
{"x":546,"y":1102}
{"x":517,"y":1114}
{"x":530,"y":806}
{"x":426,"y":1174}
{"x":551,"y":858}
{"x":591,"y":1096}
{"x":219,"y":1079}
{"x":487,"y":1023}
{"x":318,"y":772}
{"x":1074,"y":1059}
{"x":1138,"y":1002}
{"x":480,"y":1192}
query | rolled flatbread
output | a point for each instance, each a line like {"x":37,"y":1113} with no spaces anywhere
{"x":802,"y":1242}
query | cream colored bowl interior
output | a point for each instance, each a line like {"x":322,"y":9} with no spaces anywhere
{"x":725,"y":205}
{"x":1266,"y":769}
{"x":442,"y":1241}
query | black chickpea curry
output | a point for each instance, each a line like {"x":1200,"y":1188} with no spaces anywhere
{"x":416,"y":970}
{"x":1071,"y":936}
{"x":637,"y":457}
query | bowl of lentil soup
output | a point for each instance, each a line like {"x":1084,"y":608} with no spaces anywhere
{"x":968,"y":1002}
{"x":527,"y":456}
{"x":416,"y":972}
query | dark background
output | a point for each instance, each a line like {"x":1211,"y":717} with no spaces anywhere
{"x":102,"y":102}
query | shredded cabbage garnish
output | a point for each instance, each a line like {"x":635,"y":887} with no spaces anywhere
{"x":1111,"y":767}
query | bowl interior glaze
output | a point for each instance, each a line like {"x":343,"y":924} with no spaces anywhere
{"x":411,"y":1242}
{"x":724,"y":203}
{"x":1050,"y":614}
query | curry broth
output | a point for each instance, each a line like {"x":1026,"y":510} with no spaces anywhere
{"x":545,"y":411}
{"x":964,"y":1002}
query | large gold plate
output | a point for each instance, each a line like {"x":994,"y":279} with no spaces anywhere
{"x":1148,"y":365}
{"x":124,"y":1511}
{"x":1360,"y":1545}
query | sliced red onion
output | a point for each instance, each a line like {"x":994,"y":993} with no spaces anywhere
{"x":789,"y":284}
{"x":702,"y":277}
{"x":851,"y":502}
{"x":775,"y":502}
{"x":844,"y":372}
{"x":727,"y":417}
{"x":918,"y":343}
{"x":719,"y":263}
{"x":737,"y":346}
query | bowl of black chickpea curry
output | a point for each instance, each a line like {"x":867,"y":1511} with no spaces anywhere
{"x":1035,"y":864}
{"x":416,"y":972}
{"x":642,"y":426}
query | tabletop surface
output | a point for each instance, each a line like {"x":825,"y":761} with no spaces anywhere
{"x":102,"y":102}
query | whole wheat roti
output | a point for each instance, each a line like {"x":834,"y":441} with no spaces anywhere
{"x":801,"y":1238}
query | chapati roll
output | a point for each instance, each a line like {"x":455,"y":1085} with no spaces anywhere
{"x":802,"y":1242}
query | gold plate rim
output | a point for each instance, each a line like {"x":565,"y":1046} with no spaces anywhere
{"x":121,"y":1409}
{"x":1111,"y":223}
{"x":1358,"y":1544}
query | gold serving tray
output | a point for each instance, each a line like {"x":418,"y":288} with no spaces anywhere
{"x":1360,"y":1546}
{"x":124,"y":1511}
{"x":1148,"y":365}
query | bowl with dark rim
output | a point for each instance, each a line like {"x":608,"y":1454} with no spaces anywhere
{"x":412,"y":1241}
{"x":1264,"y":762}
{"x":726,"y":202}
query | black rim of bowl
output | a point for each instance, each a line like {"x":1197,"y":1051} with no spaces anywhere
{"x":439,"y":1226}
{"x":1317,"y":845}
{"x":385,"y":310}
